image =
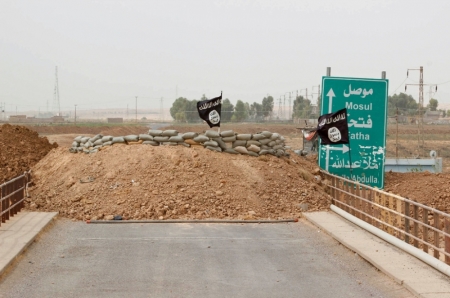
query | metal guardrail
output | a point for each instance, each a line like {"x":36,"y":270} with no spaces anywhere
{"x":419,"y":225}
{"x":12,"y":195}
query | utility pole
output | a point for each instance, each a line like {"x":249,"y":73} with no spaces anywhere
{"x":56,"y":93}
{"x":420,"y":141}
{"x":75,"y":115}
{"x":136,"y":109}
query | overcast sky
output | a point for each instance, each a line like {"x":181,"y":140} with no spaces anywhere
{"x":108,"y":52}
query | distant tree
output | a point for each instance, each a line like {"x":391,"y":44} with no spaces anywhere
{"x":191,"y":111}
{"x":256,"y":111}
{"x":227,"y":110}
{"x":177,"y":111}
{"x":433,"y":104}
{"x":448,"y":113}
{"x":267,"y":105}
{"x":240,"y":112}
{"x":302,"y":108}
{"x":406,"y":104}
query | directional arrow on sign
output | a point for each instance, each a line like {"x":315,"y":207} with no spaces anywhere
{"x":330,"y":95}
{"x":344,"y":149}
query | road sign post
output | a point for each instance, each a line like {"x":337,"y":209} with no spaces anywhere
{"x":366,"y":103}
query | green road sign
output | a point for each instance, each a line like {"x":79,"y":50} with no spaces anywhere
{"x":366,"y":103}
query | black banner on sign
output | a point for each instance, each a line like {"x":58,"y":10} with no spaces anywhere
{"x":209,"y":110}
{"x":333,"y":128}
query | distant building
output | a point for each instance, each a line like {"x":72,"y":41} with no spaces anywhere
{"x":115,"y":120}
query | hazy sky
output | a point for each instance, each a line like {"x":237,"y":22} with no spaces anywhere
{"x":108,"y":52}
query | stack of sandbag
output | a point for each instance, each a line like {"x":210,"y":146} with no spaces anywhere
{"x":227,"y":141}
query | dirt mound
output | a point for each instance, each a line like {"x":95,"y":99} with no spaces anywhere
{"x":172,"y":182}
{"x":426,"y":188}
{"x":20,"y":149}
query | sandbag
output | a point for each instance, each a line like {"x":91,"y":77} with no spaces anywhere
{"x":218,"y":149}
{"x":274,"y":136}
{"x":95,"y":138}
{"x":153,"y":143}
{"x":75,"y":144}
{"x":221,"y":143}
{"x":264,"y":152}
{"x":212,"y":134}
{"x":154,"y":132}
{"x":279,"y":152}
{"x":84,"y":139}
{"x":276,"y":147}
{"x":78,"y":139}
{"x":266,"y":133}
{"x":227,"y":133}
{"x":88,"y":144}
{"x":251,"y":153}
{"x":191,"y":142}
{"x":231,"y":151}
{"x":184,"y":144}
{"x":98,"y":142}
{"x":279,"y":142}
{"x":243,"y":136}
{"x":189,"y":135}
{"x":169,"y":133}
{"x":253,"y":142}
{"x":131,"y":138}
{"x":210,"y":143}
{"x":265,"y":141}
{"x":73,"y":150}
{"x":241,"y":149}
{"x":145,"y":137}
{"x":135,"y":143}
{"x":118,"y":140}
{"x":79,"y":149}
{"x":229,"y":139}
{"x":272,"y":143}
{"x":107,"y":139}
{"x":169,"y":143}
{"x":161,"y":139}
{"x":107,"y":143}
{"x":258,"y":137}
{"x":239,"y":143}
{"x":176,"y":139}
{"x":265,"y":147}
{"x":201,"y":139}
{"x":253,"y":148}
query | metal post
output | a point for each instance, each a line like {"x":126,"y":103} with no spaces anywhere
{"x":383,"y":75}
{"x":75,"y":115}
{"x":328,"y":71}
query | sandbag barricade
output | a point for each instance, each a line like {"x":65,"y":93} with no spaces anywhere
{"x":261,"y":143}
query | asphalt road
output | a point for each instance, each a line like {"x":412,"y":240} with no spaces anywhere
{"x":74,"y":259}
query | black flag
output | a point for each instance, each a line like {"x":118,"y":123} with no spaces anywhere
{"x":333,"y":128}
{"x":209,"y":110}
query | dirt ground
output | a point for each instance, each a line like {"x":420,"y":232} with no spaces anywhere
{"x":20,"y":149}
{"x":144,"y":182}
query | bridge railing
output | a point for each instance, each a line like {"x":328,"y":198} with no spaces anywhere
{"x":12,"y":196}
{"x":419,"y":225}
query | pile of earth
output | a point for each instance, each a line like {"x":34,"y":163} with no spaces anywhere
{"x":174,"y":182}
{"x":426,"y":188}
{"x":20,"y":149}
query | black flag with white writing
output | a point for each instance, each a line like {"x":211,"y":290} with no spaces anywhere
{"x":333,"y":128}
{"x":209,"y":110}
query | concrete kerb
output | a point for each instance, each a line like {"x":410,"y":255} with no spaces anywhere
{"x":416,"y":276}
{"x":18,"y":233}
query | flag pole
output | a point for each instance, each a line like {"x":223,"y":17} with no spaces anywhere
{"x":218,"y":130}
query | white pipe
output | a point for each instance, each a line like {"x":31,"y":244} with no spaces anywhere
{"x":423,"y":256}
